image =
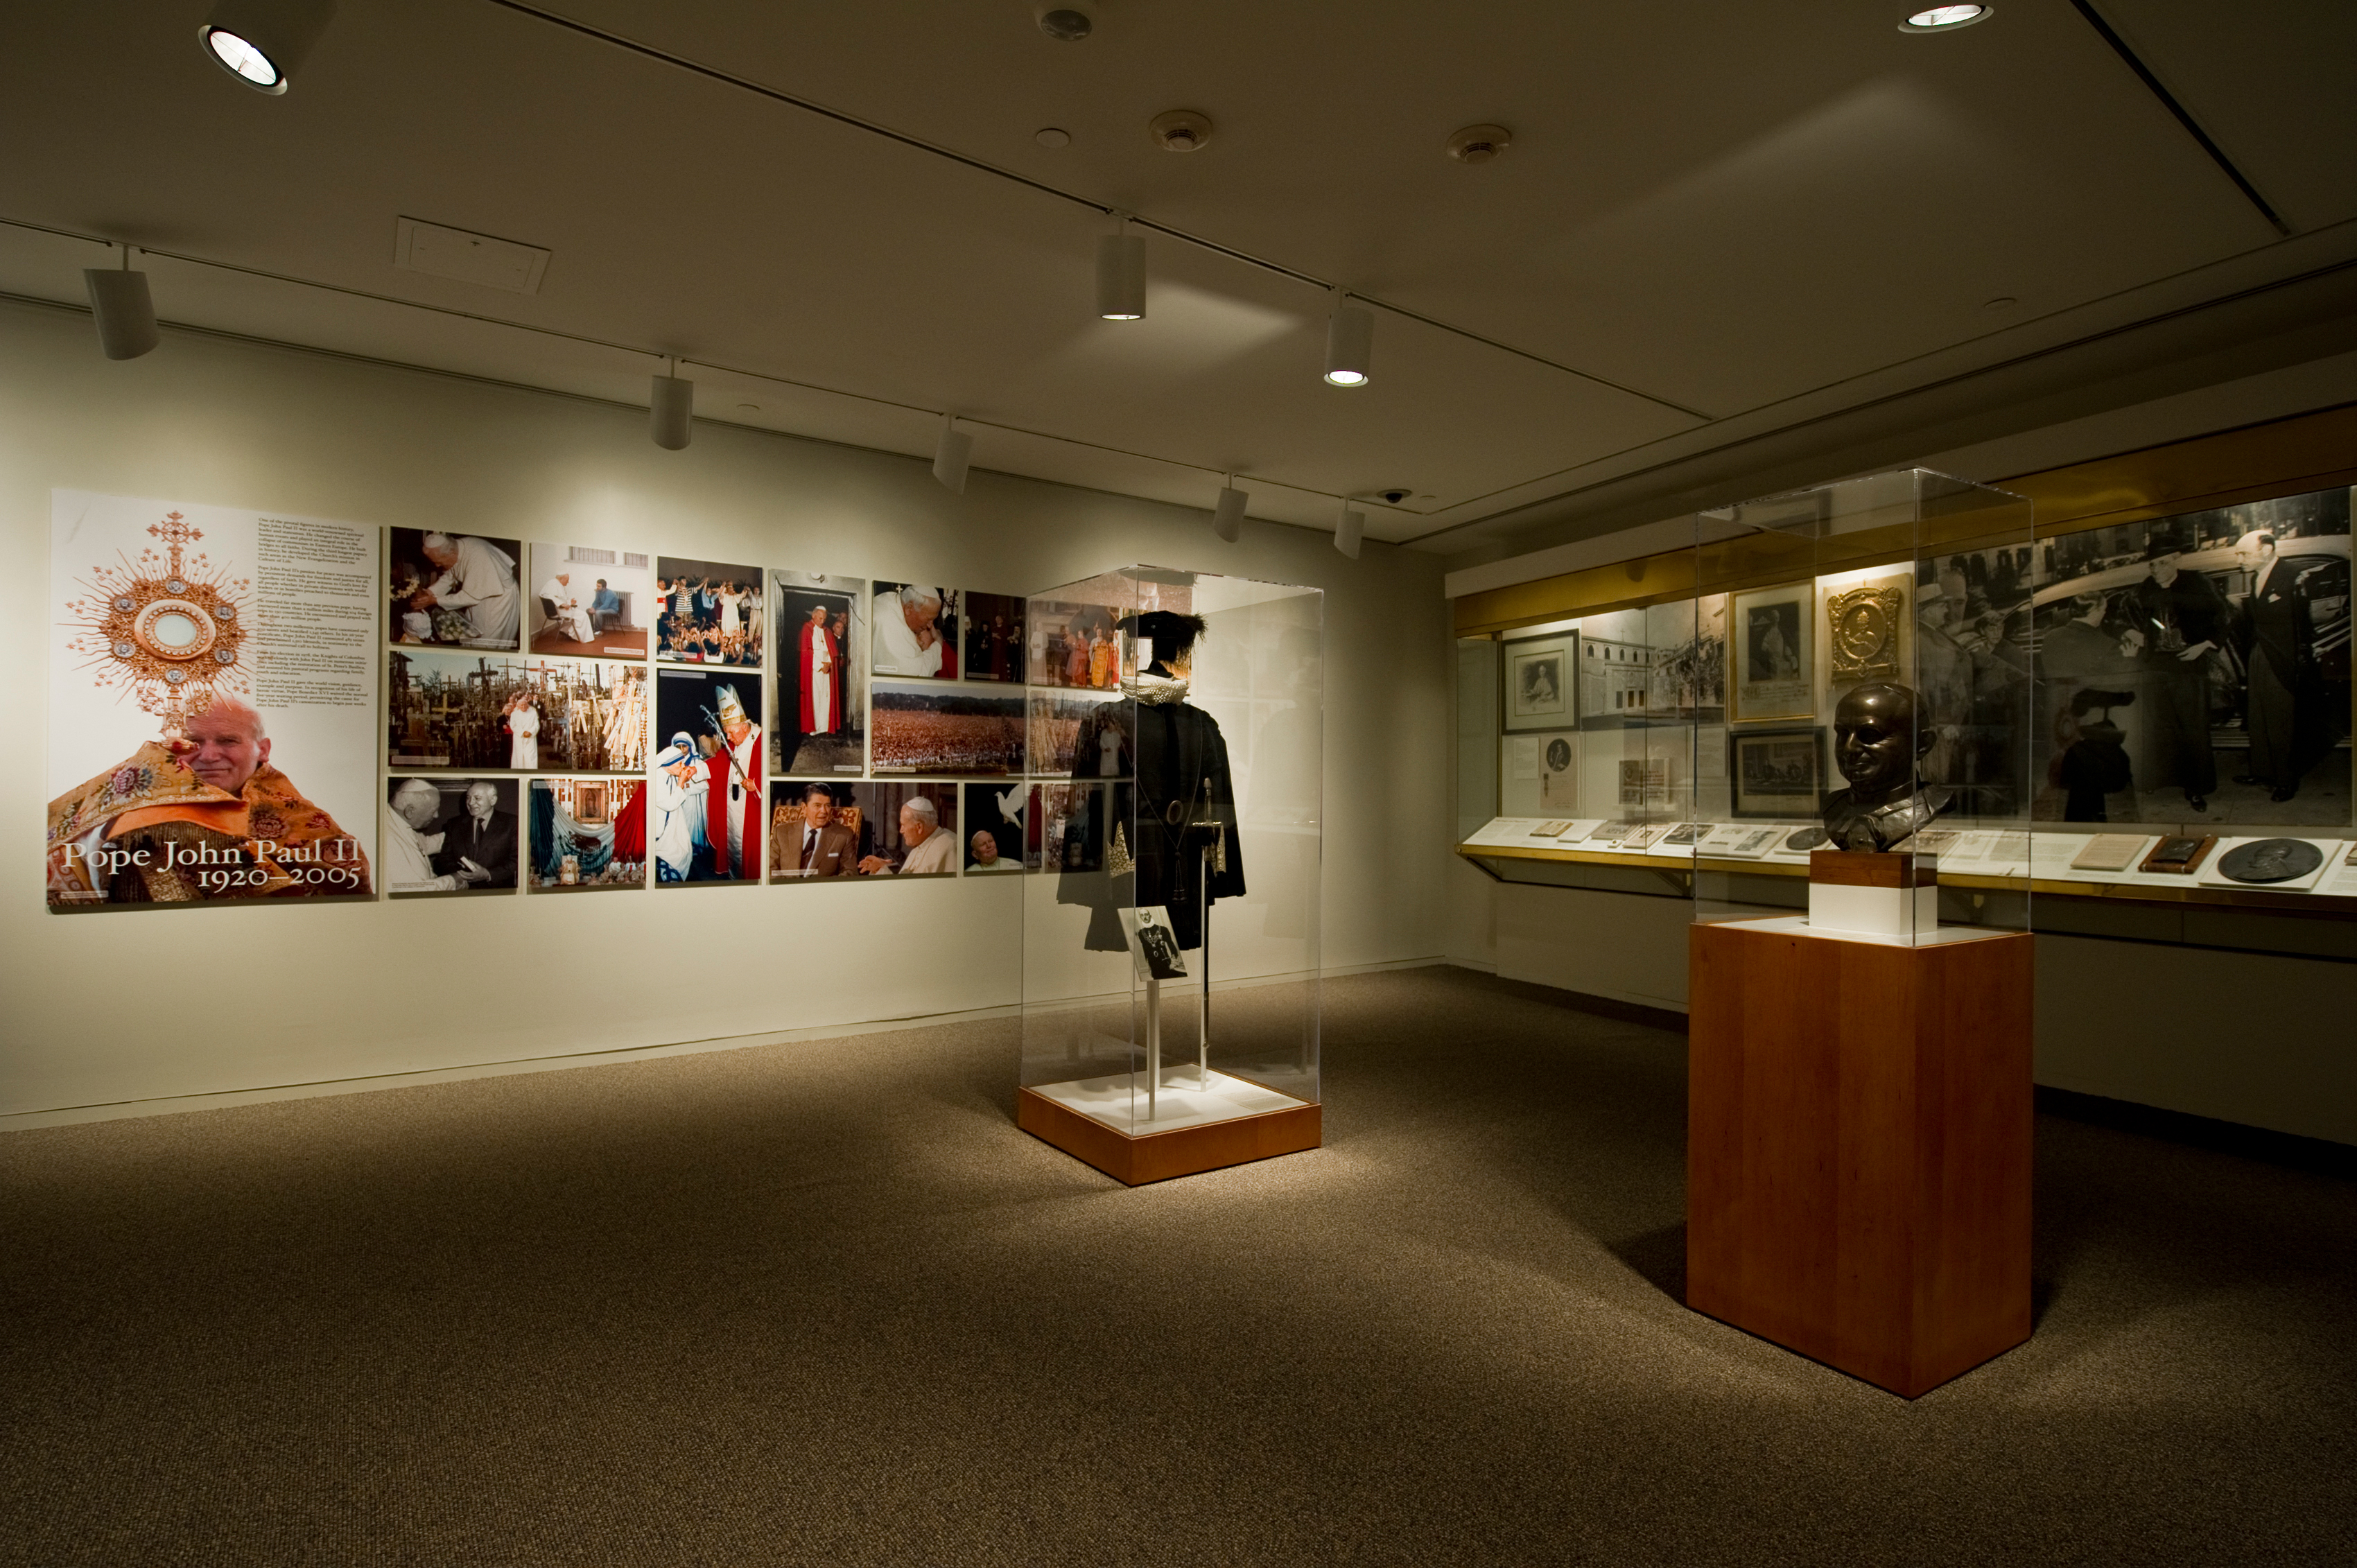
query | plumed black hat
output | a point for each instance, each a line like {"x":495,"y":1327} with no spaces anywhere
{"x":1171,"y":632}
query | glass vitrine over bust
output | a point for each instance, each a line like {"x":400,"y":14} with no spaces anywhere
{"x":1170,"y":918}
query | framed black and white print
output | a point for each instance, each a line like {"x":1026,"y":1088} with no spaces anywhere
{"x":1773,"y":641}
{"x":1777,"y":772}
{"x":1541,"y":681}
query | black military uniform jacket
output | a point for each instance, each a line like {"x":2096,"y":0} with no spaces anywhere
{"x":1170,"y":807}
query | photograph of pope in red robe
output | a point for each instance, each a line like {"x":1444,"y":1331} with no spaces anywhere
{"x":704,"y":799}
{"x":819,"y":723}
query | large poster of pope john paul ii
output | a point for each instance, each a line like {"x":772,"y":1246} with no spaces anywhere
{"x":212,"y":703}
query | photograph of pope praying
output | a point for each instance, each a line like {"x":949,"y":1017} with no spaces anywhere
{"x":706,"y":800}
{"x":446,"y":835}
{"x":455,"y":590}
{"x":916,"y":631}
{"x":820,"y":724}
{"x":707,"y":612}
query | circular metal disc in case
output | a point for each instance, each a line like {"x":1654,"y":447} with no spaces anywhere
{"x":2271,"y":860}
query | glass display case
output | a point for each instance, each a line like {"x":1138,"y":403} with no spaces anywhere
{"x":2154,"y":710}
{"x":1171,"y":934}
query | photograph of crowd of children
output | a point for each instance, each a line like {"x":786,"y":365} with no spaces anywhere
{"x":932,"y":730}
{"x":586,"y":835}
{"x":588,"y":603}
{"x":454,"y":590}
{"x":459,"y":710}
{"x":916,"y":630}
{"x":707,"y":612}
{"x":997,"y":819}
{"x":1075,"y":645}
{"x":2188,"y":668}
{"x":820,"y":724}
{"x":826,"y":830}
{"x":449,"y":835}
{"x":993,"y":637}
{"x":706,"y":800}
{"x":1056,"y":721}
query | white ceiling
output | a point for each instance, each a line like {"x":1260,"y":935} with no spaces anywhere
{"x":1717,"y":219}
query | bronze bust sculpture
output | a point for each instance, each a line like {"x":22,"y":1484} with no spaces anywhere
{"x":1879,"y":737}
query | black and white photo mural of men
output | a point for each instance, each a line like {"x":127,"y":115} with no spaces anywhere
{"x":446,"y":835}
{"x":2265,"y":586}
{"x":456,"y":590}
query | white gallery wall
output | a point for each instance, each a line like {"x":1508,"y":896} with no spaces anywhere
{"x":142,"y":1006}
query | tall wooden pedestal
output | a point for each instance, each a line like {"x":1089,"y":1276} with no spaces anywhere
{"x":1858,"y":1145}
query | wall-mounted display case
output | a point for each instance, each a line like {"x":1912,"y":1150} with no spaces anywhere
{"x":1170,"y":944}
{"x":2153,"y":711}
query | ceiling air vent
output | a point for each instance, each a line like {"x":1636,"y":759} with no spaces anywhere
{"x":424,"y":247}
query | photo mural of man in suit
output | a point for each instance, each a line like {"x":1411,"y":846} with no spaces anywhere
{"x":811,"y":845}
{"x":481,"y":833}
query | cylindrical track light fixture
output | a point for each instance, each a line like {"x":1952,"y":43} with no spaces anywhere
{"x":1228,"y":516}
{"x":1350,"y":343}
{"x":263,"y":43}
{"x":1121,"y":275}
{"x":126,"y":314}
{"x":1349,"y":529}
{"x":951,"y":458}
{"x":671,"y":411}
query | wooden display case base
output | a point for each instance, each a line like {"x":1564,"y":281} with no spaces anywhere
{"x":1858,"y":1145}
{"x":1183,"y":1150}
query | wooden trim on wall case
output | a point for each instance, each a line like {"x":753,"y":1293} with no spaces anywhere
{"x":2257,"y":462}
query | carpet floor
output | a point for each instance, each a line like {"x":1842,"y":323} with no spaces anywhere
{"x":821,"y":1302}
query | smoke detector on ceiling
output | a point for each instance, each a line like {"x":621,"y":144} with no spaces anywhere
{"x":1179,"y":131}
{"x":1065,"y":24}
{"x":1478,"y":143}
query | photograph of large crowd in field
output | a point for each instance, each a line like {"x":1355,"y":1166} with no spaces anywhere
{"x":928,"y":729}
{"x":460,"y":710}
{"x":1056,"y":724}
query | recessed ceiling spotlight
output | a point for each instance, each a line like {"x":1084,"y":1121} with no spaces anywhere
{"x":263,"y":43}
{"x":749,"y":407}
{"x":1478,"y":143}
{"x":1392,"y":495}
{"x":1052,"y":136}
{"x":1179,"y":131}
{"x":2000,"y":305}
{"x":1946,"y":18}
{"x":1065,"y":24}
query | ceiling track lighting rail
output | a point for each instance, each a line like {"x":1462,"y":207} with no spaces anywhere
{"x":634,"y":350}
{"x":980,"y":165}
